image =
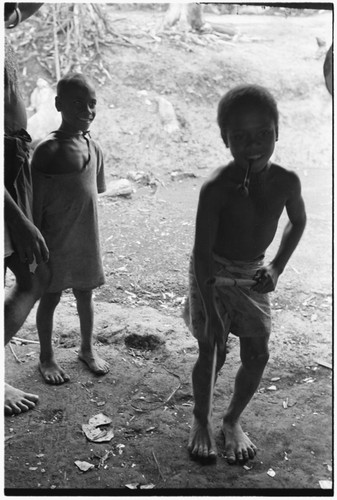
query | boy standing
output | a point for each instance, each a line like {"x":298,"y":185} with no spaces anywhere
{"x":237,"y":217}
{"x":68,"y":171}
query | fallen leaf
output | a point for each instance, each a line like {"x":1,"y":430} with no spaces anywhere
{"x":100,"y":419}
{"x":96,"y":434}
{"x":325,"y":484}
{"x":84,"y":466}
{"x":132,"y":486}
{"x":149,"y":486}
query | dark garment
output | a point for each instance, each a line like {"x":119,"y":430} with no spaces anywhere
{"x":17,"y":173}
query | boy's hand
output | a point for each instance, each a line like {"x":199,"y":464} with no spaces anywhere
{"x":266,"y":278}
{"x":28,"y":242}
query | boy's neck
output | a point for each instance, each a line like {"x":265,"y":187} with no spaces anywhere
{"x":73,"y":132}
{"x":243,"y":169}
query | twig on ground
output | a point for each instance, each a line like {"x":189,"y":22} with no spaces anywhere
{"x":25,"y":341}
{"x":15,"y":356}
{"x":167,"y":399}
{"x":158,"y":466}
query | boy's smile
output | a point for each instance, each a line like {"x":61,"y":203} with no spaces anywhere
{"x":251,"y":135}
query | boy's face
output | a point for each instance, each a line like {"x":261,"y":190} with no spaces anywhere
{"x":77,"y":106}
{"x":251,"y":134}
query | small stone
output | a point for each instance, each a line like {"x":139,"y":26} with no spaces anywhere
{"x":271,"y":473}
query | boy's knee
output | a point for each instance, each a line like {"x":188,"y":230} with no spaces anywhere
{"x":255,"y":361}
{"x":206,"y":356}
{"x":82,"y":295}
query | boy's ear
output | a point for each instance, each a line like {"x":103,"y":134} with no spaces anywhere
{"x":224,"y":138}
{"x":57,"y":103}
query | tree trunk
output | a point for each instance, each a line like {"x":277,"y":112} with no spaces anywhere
{"x":185,"y":16}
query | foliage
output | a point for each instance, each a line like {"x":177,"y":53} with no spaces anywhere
{"x":64,"y":37}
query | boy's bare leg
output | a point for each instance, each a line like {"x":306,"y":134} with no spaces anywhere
{"x":85,"y":308}
{"x":21,"y":298}
{"x":19,"y":302}
{"x":254,"y":357}
{"x":201,"y":442}
{"x":50,"y":370}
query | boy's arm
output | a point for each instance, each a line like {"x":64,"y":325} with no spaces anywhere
{"x":26,"y":238}
{"x":100,"y":178}
{"x":292,"y":234}
{"x":205,"y":237}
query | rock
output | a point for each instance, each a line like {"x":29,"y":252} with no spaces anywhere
{"x":120,"y":187}
{"x":178,"y":175}
{"x":139,"y":176}
{"x":167,"y":115}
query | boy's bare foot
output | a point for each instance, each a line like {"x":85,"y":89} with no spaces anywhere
{"x":17,"y":401}
{"x":201,"y":443}
{"x":96,"y":364}
{"x":238,"y":446}
{"x":52,"y":372}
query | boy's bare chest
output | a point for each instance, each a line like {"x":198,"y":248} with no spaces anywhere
{"x":262,"y":205}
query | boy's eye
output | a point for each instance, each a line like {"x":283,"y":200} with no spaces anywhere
{"x":264,"y":133}
{"x":238,"y":136}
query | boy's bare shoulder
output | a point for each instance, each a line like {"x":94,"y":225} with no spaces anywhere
{"x":285,"y":177}
{"x":216,"y":182}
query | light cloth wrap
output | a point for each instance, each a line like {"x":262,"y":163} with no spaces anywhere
{"x":65,"y":211}
{"x":243,"y":312}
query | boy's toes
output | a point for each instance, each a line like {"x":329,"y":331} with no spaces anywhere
{"x":231,"y":458}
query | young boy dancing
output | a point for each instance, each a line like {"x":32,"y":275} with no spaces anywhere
{"x":67,"y":169}
{"x":237,"y":217}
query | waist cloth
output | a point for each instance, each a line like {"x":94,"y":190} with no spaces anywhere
{"x":242,"y":311}
{"x":17,"y":177}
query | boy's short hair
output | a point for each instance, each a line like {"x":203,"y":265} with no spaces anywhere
{"x":245,"y":95}
{"x":69,"y":80}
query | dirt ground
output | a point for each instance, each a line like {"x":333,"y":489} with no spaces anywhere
{"x":146,"y":241}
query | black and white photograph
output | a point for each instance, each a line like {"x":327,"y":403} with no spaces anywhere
{"x":168,"y":249}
